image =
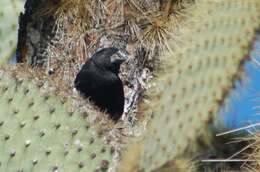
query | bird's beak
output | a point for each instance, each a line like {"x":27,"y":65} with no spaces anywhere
{"x":120,"y":57}
{"x":123,"y":55}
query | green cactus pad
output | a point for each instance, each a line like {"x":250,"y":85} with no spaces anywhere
{"x":215,"y":41}
{"x":38,"y":132}
{"x":9,"y":12}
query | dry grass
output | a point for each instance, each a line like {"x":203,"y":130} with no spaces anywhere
{"x":254,"y":155}
{"x":77,"y":10}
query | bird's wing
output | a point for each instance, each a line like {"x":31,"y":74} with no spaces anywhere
{"x":84,"y":78}
{"x":116,"y":92}
{"x":91,"y":79}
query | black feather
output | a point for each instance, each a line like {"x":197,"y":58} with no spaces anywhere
{"x":98,"y":79}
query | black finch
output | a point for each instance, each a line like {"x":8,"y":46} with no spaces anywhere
{"x":99,"y":81}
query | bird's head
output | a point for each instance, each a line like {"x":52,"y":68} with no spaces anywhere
{"x":109,"y":59}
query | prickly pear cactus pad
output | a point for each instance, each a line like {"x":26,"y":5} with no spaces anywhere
{"x":216,"y":38}
{"x":9,"y":12}
{"x":39,"y":132}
